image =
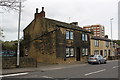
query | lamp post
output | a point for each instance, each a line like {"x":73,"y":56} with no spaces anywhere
{"x":111,"y":26}
{"x":18,"y":48}
{"x":111,"y":35}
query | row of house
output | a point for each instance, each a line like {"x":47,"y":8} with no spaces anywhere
{"x":52,"y":41}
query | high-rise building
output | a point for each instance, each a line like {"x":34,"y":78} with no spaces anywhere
{"x":98,"y":30}
{"x":119,"y":20}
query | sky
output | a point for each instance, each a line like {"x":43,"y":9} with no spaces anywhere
{"x":85,"y":12}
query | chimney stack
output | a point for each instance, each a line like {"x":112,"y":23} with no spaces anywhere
{"x":74,"y":23}
{"x":41,"y":14}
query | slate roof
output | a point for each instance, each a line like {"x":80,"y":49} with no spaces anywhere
{"x":67,"y":25}
{"x":100,"y":38}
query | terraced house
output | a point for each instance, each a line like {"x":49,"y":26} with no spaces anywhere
{"x":103,"y":46}
{"x":52,"y":41}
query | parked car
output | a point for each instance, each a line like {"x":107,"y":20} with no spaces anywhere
{"x":96,"y":59}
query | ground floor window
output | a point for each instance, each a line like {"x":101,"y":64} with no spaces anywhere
{"x":105,"y":53}
{"x":96,"y":52}
{"x":84,"y":51}
{"x":69,"y":52}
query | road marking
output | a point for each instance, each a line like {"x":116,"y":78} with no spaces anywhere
{"x":52,"y":69}
{"x":46,"y":77}
{"x":95,"y":72}
{"x":13,"y":75}
{"x":115,"y":67}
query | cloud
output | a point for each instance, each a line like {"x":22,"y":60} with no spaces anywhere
{"x":86,"y":12}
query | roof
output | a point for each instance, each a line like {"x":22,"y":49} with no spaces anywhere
{"x":67,"y":25}
{"x":100,"y":38}
{"x":63,"y":24}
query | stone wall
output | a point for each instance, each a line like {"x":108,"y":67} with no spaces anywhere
{"x":114,"y":57}
{"x":10,"y":62}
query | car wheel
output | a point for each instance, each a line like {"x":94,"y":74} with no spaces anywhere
{"x":99,"y":62}
{"x":89,"y":62}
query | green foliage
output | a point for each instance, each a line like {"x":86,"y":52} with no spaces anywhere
{"x":118,"y":42}
{"x":12,"y":46}
{"x":9,"y":45}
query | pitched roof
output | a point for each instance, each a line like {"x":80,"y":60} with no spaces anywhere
{"x":67,"y":25}
{"x":100,"y":38}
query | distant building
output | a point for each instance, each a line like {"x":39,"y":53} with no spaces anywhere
{"x":52,"y":41}
{"x":98,"y":30}
{"x":119,"y":20}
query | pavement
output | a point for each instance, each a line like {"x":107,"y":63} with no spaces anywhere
{"x":41,"y":67}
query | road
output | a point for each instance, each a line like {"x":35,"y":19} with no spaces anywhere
{"x":109,"y":70}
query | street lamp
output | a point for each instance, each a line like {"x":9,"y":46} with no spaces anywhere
{"x":18,"y":48}
{"x":111,"y":26}
{"x":111,"y":34}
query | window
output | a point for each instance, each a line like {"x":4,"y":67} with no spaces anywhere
{"x":69,"y":35}
{"x":69,"y":52}
{"x":84,"y":37}
{"x":96,"y":52}
{"x":105,"y":53}
{"x":107,"y":44}
{"x":85,"y":51}
{"x":96,"y":43}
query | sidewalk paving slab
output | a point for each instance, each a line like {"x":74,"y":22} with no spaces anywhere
{"x":40,"y":67}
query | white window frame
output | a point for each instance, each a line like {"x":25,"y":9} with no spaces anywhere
{"x":69,"y":35}
{"x":84,"y":51}
{"x":69,"y":52}
{"x":84,"y":37}
{"x":96,"y":43}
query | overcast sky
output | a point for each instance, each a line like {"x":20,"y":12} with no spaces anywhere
{"x":85,"y":12}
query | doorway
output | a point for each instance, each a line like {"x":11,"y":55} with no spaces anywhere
{"x":101,"y":52}
{"x":78,"y":54}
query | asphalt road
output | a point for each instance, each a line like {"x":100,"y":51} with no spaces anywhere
{"x":109,"y":70}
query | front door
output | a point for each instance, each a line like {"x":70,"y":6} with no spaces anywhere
{"x":78,"y":54}
{"x":109,"y":53}
{"x":101,"y":52}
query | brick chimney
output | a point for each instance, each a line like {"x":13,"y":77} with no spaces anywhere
{"x":41,"y":14}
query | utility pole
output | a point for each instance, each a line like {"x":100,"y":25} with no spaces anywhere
{"x":18,"y":49}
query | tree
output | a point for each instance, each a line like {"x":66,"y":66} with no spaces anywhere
{"x":1,"y":33}
{"x":10,"y":4}
{"x":117,"y":41}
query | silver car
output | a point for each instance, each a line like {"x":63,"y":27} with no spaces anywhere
{"x":97,"y":59}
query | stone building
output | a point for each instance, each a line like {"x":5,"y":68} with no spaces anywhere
{"x":103,"y":46}
{"x":52,"y":41}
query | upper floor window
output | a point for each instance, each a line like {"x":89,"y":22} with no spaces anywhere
{"x":69,"y":35}
{"x":96,"y":43}
{"x":84,"y":37}
{"x":107,"y":44}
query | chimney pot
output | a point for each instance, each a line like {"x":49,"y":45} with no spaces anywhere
{"x":36,"y":10}
{"x":42,"y":8}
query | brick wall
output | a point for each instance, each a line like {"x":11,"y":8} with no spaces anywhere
{"x":10,"y":62}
